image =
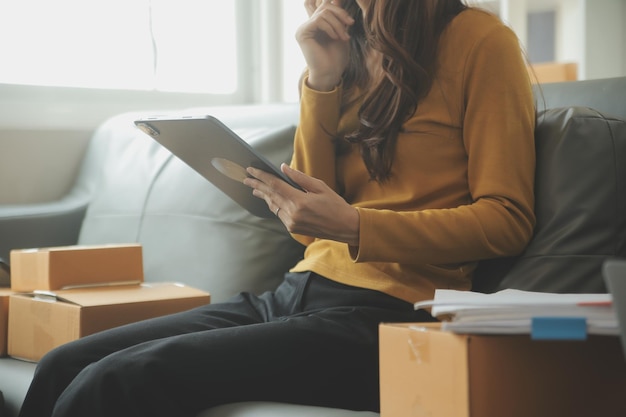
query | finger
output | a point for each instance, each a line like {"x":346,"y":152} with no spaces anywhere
{"x":259,"y":188}
{"x":263,"y":191}
{"x":341,"y":13}
{"x":306,"y":182}
{"x":268,"y":184}
{"x":272,"y":203}
{"x":334,"y":6}
{"x":263,"y":177}
{"x":311,"y":6}
{"x":264,"y":185}
{"x":338,"y":3}
{"x":332,"y":25}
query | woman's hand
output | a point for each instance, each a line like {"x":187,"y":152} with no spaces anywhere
{"x":318,"y":211}
{"x":325,"y":42}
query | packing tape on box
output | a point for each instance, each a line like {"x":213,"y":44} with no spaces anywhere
{"x":47,"y":296}
{"x":418,"y":344}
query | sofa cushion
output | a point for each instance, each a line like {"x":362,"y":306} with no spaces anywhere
{"x":190,"y":230}
{"x":270,"y":409}
{"x":580,"y":191}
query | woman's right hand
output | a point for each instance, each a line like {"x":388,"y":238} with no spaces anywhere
{"x":325,"y":42}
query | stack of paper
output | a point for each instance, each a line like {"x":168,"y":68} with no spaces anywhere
{"x":544,"y":315}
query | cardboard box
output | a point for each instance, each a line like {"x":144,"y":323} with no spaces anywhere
{"x":4,"y":319}
{"x":428,"y":372}
{"x":41,"y":322}
{"x":553,"y":72}
{"x":51,"y":269}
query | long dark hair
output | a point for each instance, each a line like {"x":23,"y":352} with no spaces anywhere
{"x":406,"y":33}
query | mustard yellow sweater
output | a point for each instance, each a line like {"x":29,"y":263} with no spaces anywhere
{"x":461,"y":188}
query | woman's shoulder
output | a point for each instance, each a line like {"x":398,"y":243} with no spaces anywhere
{"x":474,"y":24}
{"x":473,"y":16}
{"x":475,"y":29}
{"x":476,"y":40}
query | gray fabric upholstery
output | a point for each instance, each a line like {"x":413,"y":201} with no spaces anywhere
{"x":15,"y":377}
{"x":604,"y":95}
{"x":270,"y":409}
{"x":190,"y":231}
{"x":51,"y":224}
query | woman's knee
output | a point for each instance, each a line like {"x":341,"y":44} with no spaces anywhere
{"x":60,"y":360}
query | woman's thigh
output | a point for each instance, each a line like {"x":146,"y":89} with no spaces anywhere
{"x":236,"y":312}
{"x":59,"y":367}
{"x":327,"y":358}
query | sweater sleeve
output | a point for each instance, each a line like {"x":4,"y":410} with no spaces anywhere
{"x":498,"y":136}
{"x":314,"y":150}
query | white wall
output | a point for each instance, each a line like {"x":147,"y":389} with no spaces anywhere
{"x":570,"y":33}
{"x":605,"y":38}
{"x":591,"y":33}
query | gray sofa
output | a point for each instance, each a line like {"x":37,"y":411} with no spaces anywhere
{"x":131,"y":190}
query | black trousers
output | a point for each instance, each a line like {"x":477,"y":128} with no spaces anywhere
{"x":312,"y":341}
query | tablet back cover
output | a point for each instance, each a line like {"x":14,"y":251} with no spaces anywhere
{"x":215,"y":152}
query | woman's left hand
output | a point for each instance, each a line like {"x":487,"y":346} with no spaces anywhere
{"x":318,"y":211}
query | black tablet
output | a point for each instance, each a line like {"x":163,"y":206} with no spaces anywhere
{"x":215,"y":152}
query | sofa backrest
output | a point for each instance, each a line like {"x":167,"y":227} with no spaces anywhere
{"x":605,"y":95}
{"x":190,"y":231}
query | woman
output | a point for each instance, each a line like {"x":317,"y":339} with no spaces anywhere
{"x":415,"y":148}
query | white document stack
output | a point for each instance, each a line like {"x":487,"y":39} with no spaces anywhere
{"x":519,"y":312}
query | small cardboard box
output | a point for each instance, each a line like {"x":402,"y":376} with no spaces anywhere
{"x":41,"y":322}
{"x":428,"y":372}
{"x":55,"y":268}
{"x":4,"y":319}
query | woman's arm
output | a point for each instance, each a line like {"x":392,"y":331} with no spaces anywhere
{"x":320,"y":212}
{"x":498,"y":135}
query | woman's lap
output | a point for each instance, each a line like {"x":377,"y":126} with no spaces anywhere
{"x":285,"y":346}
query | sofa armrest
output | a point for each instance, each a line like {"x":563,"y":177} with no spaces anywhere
{"x":57,"y":223}
{"x":40,"y":225}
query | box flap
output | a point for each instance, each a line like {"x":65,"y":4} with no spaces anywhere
{"x":124,"y":294}
{"x":78,"y":247}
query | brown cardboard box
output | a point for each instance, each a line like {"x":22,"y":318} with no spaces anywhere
{"x":428,"y":372}
{"x":553,"y":72}
{"x":51,"y":269}
{"x":4,"y":319}
{"x":39,"y":323}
